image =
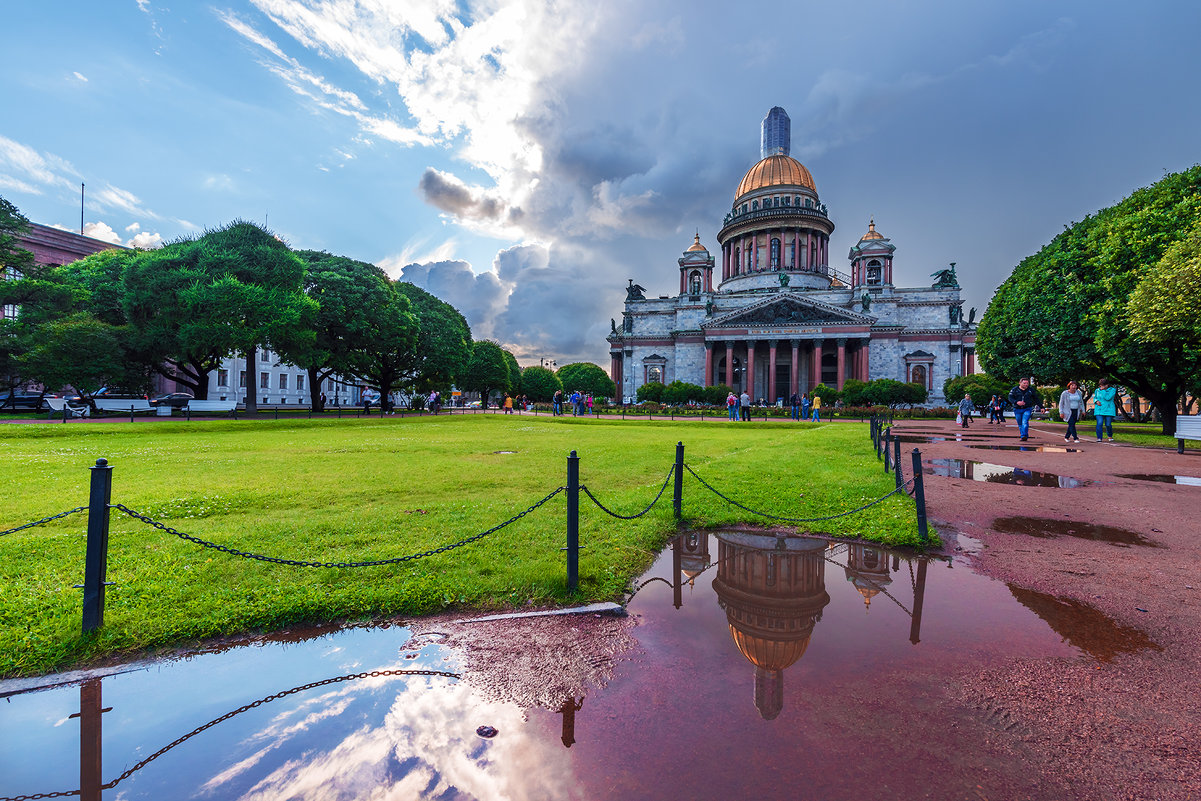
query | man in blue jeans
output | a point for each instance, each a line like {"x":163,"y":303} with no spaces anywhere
{"x":1024,"y":398}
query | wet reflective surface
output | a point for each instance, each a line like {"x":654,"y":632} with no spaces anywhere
{"x":1000,"y":474}
{"x":1084,"y":626}
{"x":1046,"y":528}
{"x":1163,"y":478}
{"x":761,"y":667}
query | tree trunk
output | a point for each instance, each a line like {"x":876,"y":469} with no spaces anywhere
{"x":315,"y":380}
{"x":252,"y":384}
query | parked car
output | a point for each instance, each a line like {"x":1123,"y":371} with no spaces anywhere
{"x":176,"y":400}
{"x":21,"y":400}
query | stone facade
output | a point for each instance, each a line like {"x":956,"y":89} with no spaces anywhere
{"x":781,"y":320}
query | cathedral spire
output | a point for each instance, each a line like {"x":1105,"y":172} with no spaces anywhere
{"x":777,"y":133}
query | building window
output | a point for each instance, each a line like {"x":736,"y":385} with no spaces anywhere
{"x":775,"y":254}
{"x":918,"y":375}
{"x":873,"y":272}
{"x":283,"y":380}
{"x":241,"y":379}
{"x":264,"y":356}
{"x":265,"y":382}
{"x":797,"y":201}
{"x":654,"y":375}
{"x":300,"y":383}
{"x":222,"y":378}
{"x":694,"y":283}
{"x":754,"y":205}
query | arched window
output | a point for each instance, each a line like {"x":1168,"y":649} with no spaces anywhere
{"x":737,"y":261}
{"x":654,"y":375}
{"x":918,"y":375}
{"x":694,"y":283}
{"x":775,"y":253}
{"x":873,"y":271}
{"x":754,"y":205}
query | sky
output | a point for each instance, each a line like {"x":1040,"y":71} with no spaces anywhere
{"x":522,"y":160}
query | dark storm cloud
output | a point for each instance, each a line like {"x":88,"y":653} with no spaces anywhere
{"x":446,"y":192}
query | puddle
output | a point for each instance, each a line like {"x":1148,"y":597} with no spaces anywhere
{"x":1084,"y":626}
{"x":504,"y":452}
{"x":783,"y":655}
{"x":1029,"y":448}
{"x":1000,"y":474}
{"x":1046,"y":528}
{"x":1163,"y":478}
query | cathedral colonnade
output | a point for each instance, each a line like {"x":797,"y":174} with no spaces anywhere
{"x":789,"y":249}
{"x":775,"y":368}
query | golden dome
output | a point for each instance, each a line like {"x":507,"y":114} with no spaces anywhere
{"x":872,"y":233}
{"x":696,"y":245}
{"x":778,"y":170}
{"x":769,"y":654}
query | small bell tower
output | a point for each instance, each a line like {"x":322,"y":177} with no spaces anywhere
{"x":696,"y":270}
{"x":871,"y":259}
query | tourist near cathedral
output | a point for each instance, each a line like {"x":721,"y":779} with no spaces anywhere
{"x":779,"y":318}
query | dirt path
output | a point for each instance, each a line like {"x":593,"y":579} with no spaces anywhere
{"x":1123,"y":722}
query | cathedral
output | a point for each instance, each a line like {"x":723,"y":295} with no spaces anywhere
{"x":778,"y":318}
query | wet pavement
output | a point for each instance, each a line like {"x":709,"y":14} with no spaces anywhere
{"x":750,"y":666}
{"x":1050,"y":528}
{"x":1027,"y":448}
{"x":1000,"y":474}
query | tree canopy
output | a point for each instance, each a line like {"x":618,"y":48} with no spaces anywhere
{"x":487,"y":370}
{"x":587,"y":378}
{"x":1065,"y":312}
{"x":442,"y":347}
{"x":540,"y":383}
{"x":1165,"y":305}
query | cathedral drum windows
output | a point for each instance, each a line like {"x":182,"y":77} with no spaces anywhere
{"x":775,"y":254}
{"x":873,"y":272}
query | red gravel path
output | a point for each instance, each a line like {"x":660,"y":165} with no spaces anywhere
{"x":1128,"y":727}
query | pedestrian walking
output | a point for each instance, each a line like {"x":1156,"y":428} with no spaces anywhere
{"x":508,"y":403}
{"x":732,"y":407}
{"x":1105,"y":407}
{"x":744,"y":403}
{"x":965,"y":410}
{"x":1071,"y":407}
{"x":996,"y":411}
{"x":1024,"y":398}
{"x":805,"y":404}
{"x":817,"y":408}
{"x":794,"y":400}
{"x":588,"y":401}
{"x":557,"y":403}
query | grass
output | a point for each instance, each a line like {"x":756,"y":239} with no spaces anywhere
{"x":356,"y":490}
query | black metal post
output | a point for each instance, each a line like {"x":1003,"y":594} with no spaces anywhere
{"x":276,"y":412}
{"x":919,"y":497}
{"x":919,"y":597}
{"x":64,"y":411}
{"x":887,"y":448}
{"x":677,"y":572}
{"x":678,"y":496}
{"x":896,"y":461}
{"x":96,"y":560}
{"x":573,"y":522}
{"x":131,"y":413}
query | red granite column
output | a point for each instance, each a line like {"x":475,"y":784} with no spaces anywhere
{"x":771,"y":371}
{"x":794,"y":378}
{"x":708,"y":364}
{"x":815,"y":369}
{"x":729,"y":364}
{"x":750,"y":368}
{"x":842,"y":362}
{"x":865,"y":359}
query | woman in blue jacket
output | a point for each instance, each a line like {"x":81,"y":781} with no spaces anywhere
{"x":1104,"y":408}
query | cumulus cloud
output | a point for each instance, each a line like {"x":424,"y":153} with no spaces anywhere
{"x":105,"y":233}
{"x":102,"y":231}
{"x":478,"y":297}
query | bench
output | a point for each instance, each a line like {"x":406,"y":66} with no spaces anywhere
{"x":58,"y":404}
{"x":122,"y":404}
{"x":1187,"y":427}
{"x":226,"y":406}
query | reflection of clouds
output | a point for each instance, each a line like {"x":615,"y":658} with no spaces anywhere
{"x":424,"y":747}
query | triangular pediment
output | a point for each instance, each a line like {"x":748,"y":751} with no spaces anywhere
{"x":788,"y":309}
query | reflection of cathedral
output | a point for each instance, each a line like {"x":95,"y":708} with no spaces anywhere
{"x":779,"y":318}
{"x":867,"y":569}
{"x":773,"y":591}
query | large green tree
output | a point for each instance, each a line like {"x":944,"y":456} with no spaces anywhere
{"x":383,"y":361}
{"x":348,"y":294}
{"x":1065,"y":312}
{"x":540,"y":383}
{"x":487,"y":370}
{"x":196,"y":302}
{"x":1165,"y":306}
{"x":442,"y":347}
{"x":587,"y":378}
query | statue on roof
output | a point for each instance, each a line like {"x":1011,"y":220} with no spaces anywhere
{"x":784,"y":279}
{"x":867,"y":301}
{"x":634,"y":291}
{"x":971,"y":316}
{"x":945,"y":278}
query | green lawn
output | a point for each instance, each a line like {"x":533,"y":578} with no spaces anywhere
{"x":356,"y":490}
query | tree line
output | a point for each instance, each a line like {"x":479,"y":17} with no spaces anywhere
{"x":119,"y":317}
{"x":1114,"y":296}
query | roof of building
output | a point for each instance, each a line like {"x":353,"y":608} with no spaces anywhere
{"x":777,"y":170}
{"x":696,"y":245}
{"x":872,"y":233}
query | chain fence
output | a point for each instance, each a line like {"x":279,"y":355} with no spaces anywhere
{"x":299,"y":563}
{"x":244,"y":708}
{"x":610,"y":512}
{"x":730,"y":500}
{"x":45,"y":520}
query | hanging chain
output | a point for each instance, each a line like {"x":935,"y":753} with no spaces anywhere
{"x":297,"y":563}
{"x":45,"y":520}
{"x":602,"y":507}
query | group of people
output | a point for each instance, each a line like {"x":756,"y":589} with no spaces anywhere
{"x":581,"y":403}
{"x":739,"y":407}
{"x":1024,"y":399}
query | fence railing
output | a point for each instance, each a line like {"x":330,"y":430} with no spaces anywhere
{"x":100,"y":506}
